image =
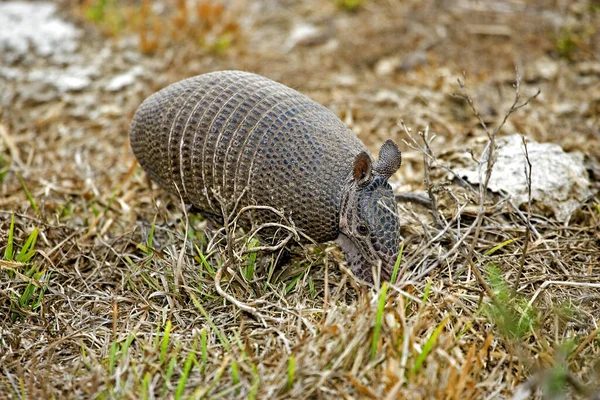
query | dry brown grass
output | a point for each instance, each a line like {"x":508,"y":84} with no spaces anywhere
{"x":128,"y":296}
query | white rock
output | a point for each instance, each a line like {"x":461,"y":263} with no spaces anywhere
{"x":546,"y":68}
{"x":301,"y":33}
{"x":559,"y":180}
{"x":66,"y":83}
{"x":9,"y":73}
{"x":387,"y":65}
{"x":345,"y":80}
{"x":34,"y":26}
{"x":73,"y":78}
{"x":125,"y":79}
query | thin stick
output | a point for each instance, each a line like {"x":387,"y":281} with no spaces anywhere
{"x":427,"y":172}
{"x":179,"y":266}
{"x":242,"y":306}
{"x":528,"y":223}
{"x":488,"y":159}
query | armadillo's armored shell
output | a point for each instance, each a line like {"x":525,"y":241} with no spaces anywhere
{"x":232,"y":131}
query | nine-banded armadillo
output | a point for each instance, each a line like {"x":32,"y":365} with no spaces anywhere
{"x":245,"y":136}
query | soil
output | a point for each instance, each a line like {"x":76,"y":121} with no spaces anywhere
{"x":123,"y":294}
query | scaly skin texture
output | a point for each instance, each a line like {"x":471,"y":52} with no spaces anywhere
{"x":246,"y":137}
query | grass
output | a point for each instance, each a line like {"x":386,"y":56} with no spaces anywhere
{"x":510,"y":312}
{"x":350,"y":5}
{"x":172,"y":367}
{"x":499,"y":246}
{"x":28,"y":299}
{"x":89,"y":303}
{"x":566,"y":43}
{"x":394,"y":277}
{"x":203,"y":349}
{"x":251,"y":261}
{"x":379,"y":319}
{"x":164,"y":346}
{"x":4,"y":166}
{"x":29,"y":196}
{"x":8,"y":251}
{"x":429,"y":344}
{"x":187,"y":367}
{"x":207,"y":24}
{"x":291,"y":372}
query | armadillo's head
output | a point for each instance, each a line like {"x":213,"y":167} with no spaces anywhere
{"x":369,"y":226}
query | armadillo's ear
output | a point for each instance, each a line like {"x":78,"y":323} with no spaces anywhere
{"x":362,"y":168}
{"x":390,"y":159}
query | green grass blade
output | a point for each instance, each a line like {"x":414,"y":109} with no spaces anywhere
{"x":4,"y":167}
{"x":397,"y":265}
{"x":379,"y":319}
{"x":151,"y":234}
{"x":29,"y":196}
{"x":293,"y":283}
{"x":224,"y":342}
{"x":38,"y":302}
{"x":8,"y":252}
{"x":204,"y":348}
{"x":425,"y":296}
{"x":128,"y":341}
{"x":146,"y":386}
{"x":255,"y":383}
{"x":235,"y":373}
{"x":164,"y":346}
{"x":157,"y":337}
{"x":28,"y":294}
{"x":269,"y":275}
{"x":169,"y":374}
{"x":187,"y":367}
{"x":25,"y":298}
{"x":428,"y":346}
{"x":251,"y":258}
{"x":28,"y":251}
{"x":291,"y":372}
{"x":225,"y":392}
{"x":202,"y":259}
{"x":112,"y":357}
{"x":498,"y":247}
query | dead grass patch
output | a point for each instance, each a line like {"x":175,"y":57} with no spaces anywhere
{"x":107,"y":287}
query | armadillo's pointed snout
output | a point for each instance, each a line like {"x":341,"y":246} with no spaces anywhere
{"x":380,"y":272}
{"x":387,"y":267}
{"x":364,"y":266}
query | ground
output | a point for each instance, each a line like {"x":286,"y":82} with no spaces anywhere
{"x":109,"y":289}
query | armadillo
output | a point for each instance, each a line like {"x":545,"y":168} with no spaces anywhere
{"x":246,"y":137}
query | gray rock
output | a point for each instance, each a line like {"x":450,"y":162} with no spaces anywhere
{"x":66,"y":83}
{"x":125,"y":79}
{"x":303,"y":34}
{"x":73,"y":78}
{"x":27,"y":28}
{"x":559,"y":180}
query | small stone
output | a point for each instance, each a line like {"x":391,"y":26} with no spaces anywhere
{"x":74,"y":78}
{"x":67,"y":83}
{"x":125,"y":79}
{"x":414,"y":60}
{"x":546,"y":68}
{"x":559,"y":180}
{"x":388,"y":65}
{"x":302,"y":34}
{"x":345,"y":80}
{"x":26,"y":26}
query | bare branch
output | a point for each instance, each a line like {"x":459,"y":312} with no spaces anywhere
{"x":528,"y":222}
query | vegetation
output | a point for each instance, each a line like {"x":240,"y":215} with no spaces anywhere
{"x":109,"y":288}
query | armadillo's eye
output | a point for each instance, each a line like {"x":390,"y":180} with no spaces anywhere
{"x":362,"y":229}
